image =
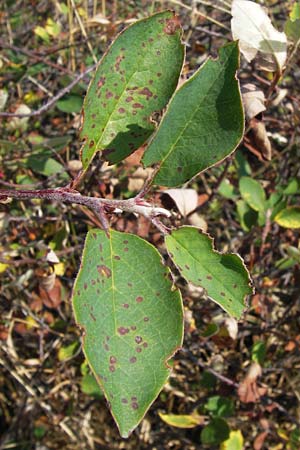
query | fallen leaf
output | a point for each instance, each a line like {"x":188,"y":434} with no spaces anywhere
{"x":257,"y":37}
{"x":253,"y":100}
{"x":186,"y":200}
{"x":260,"y":138}
{"x":249,"y":391}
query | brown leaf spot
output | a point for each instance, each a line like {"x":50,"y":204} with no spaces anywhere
{"x":112,"y":359}
{"x":138,"y":349}
{"x":150,"y":81}
{"x":109,"y":94}
{"x":159,"y":74}
{"x":129,"y":284}
{"x":129,"y":99}
{"x":132,"y":360}
{"x":93,"y":317}
{"x":234,"y":286}
{"x":134,"y":405}
{"x":126,"y":249}
{"x":85,"y":286}
{"x":146,"y":91}
{"x":146,"y":319}
{"x":145,"y":344}
{"x":222,"y":293}
{"x":173,"y":25}
{"x":139,"y":299}
{"x":209,"y":277}
{"x":78,"y":292}
{"x":118,"y":62}
{"x":179,"y":169}
{"x":133,"y":327}
{"x":123,"y":331}
{"x":138,"y":339}
{"x":93,"y":282}
{"x":187,"y":267}
{"x":100,"y":247}
{"x":91,"y":144}
{"x":104,"y":271}
{"x":124,"y":400}
{"x":121,"y":110}
{"x":125,"y":305}
{"x":158,"y":53}
{"x":112,"y":368}
{"x":138,"y":105}
{"x":117,"y":257}
{"x":106,"y":347}
{"x":101,"y":82}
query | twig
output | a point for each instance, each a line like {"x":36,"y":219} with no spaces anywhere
{"x":53,"y":100}
{"x":35,"y":57}
{"x":99,"y":206}
{"x":198,"y":13}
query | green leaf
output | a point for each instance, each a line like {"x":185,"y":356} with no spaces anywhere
{"x":289,"y":217}
{"x":294,"y":439}
{"x":247,"y":216}
{"x":203,"y":124}
{"x":227,"y":189}
{"x":135,"y":78}
{"x":215,"y":432}
{"x":234,"y":442}
{"x":253,"y":193}
{"x":293,"y":187}
{"x":132,"y":320}
{"x":70,"y":104}
{"x":90,"y":386}
{"x":42,"y":163}
{"x":259,"y":352}
{"x":182,"y":420}
{"x":220,"y":406}
{"x":292,"y":25}
{"x":224,"y":277}
{"x":68,"y":351}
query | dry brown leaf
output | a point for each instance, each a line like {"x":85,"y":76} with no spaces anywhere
{"x":186,"y":200}
{"x":253,"y":100}
{"x":260,"y":138}
{"x":249,"y":391}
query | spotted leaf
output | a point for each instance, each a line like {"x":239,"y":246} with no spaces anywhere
{"x":203,"y":124}
{"x":132,"y":319}
{"x":135,"y":78}
{"x":223,"y":276}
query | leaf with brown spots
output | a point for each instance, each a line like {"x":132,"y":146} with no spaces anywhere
{"x":127,"y":89}
{"x":203,"y":124}
{"x":130,"y":332}
{"x":223,"y":276}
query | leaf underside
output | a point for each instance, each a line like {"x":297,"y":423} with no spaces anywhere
{"x":203,"y":124}
{"x":132,"y":320}
{"x":135,"y":78}
{"x":223,"y":276}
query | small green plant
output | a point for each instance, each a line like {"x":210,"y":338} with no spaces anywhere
{"x":124,"y":300}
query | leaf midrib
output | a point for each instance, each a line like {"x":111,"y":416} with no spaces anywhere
{"x":182,"y":131}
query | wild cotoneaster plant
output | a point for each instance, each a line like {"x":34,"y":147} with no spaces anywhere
{"x":128,"y":308}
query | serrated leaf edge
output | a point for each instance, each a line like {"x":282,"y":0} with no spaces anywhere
{"x":212,"y":241}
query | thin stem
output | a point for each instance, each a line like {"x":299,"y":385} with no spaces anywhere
{"x":99,"y":206}
{"x":53,"y":100}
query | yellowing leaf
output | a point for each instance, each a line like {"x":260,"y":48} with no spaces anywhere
{"x":289,"y":217}
{"x":235,"y":441}
{"x":182,"y":420}
{"x":3,"y":267}
{"x":59,"y":269}
{"x":257,"y":37}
